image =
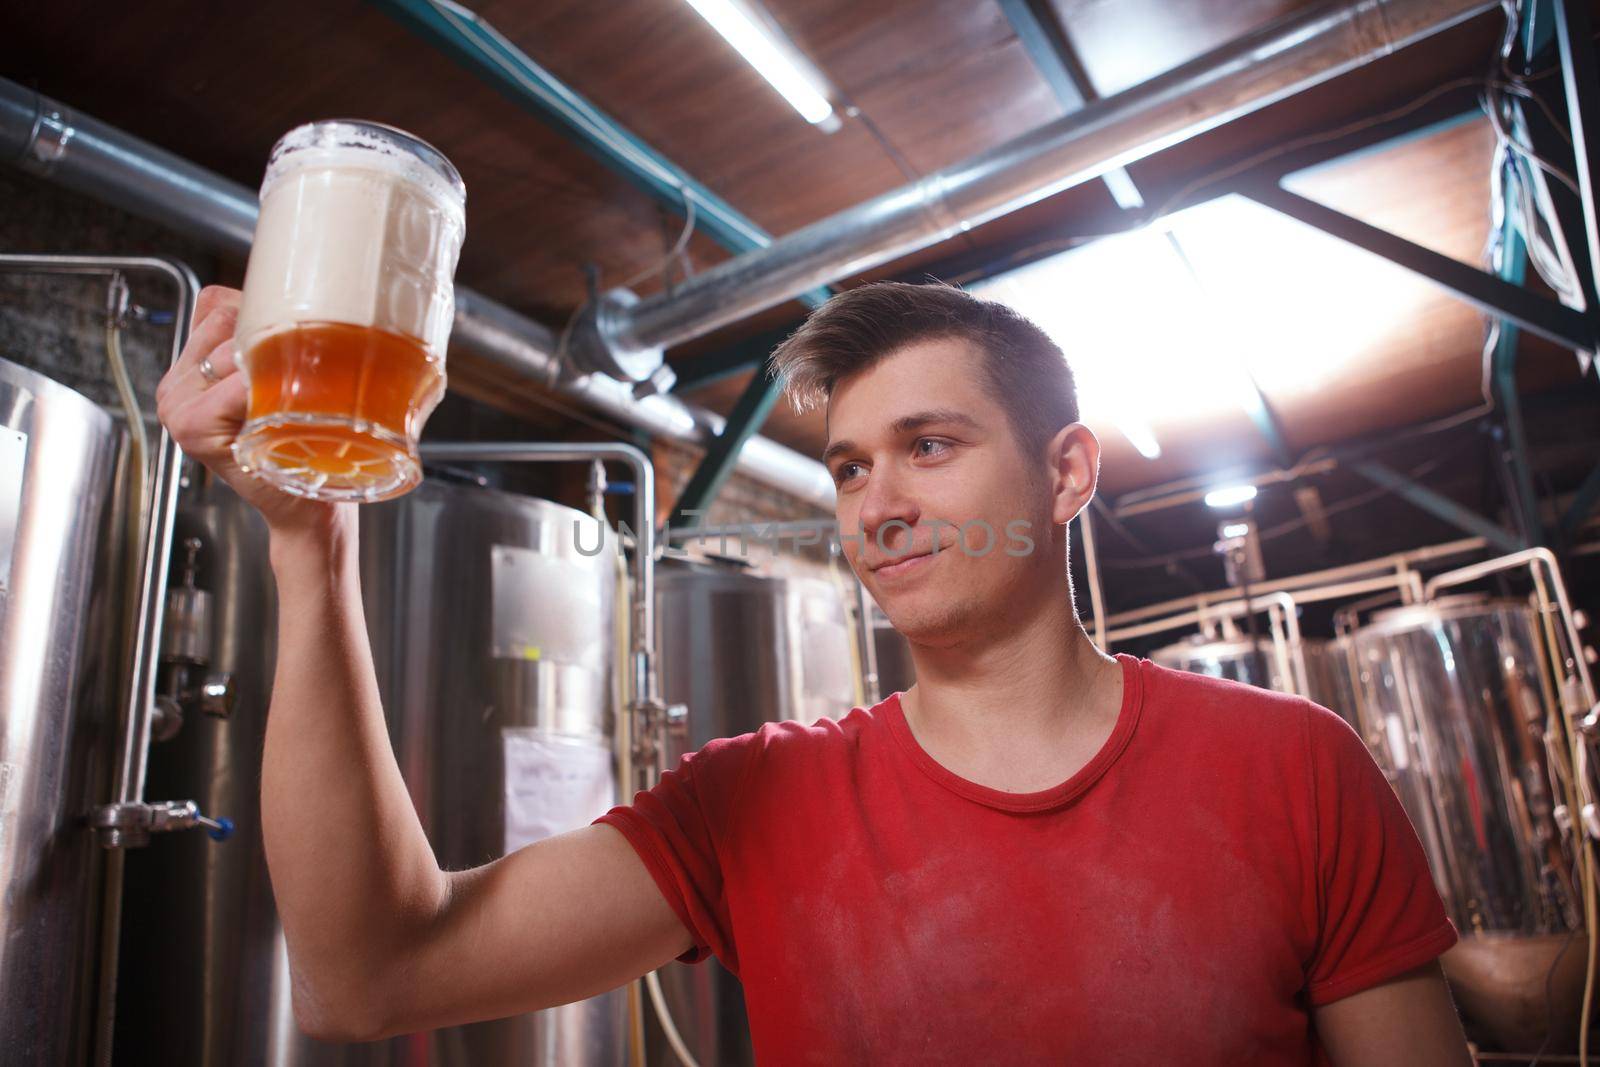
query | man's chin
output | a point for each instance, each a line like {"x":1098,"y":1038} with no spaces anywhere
{"x":924,"y":619}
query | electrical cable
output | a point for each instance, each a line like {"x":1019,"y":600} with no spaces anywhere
{"x":652,"y":982}
{"x":677,"y":248}
{"x":672,"y":254}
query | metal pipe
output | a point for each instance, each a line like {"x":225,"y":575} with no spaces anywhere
{"x":1195,"y":616}
{"x":46,"y":138}
{"x":1298,"y":582}
{"x":134,"y":756}
{"x":1531,"y":558}
{"x":1287,"y":56}
{"x":1281,"y":610}
{"x":1091,"y":562}
{"x":644,"y":523}
{"x":497,"y":335}
{"x":867,"y":634}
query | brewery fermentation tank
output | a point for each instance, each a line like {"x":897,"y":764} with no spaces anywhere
{"x":1262,"y":663}
{"x":58,"y":453}
{"x":896,"y":670}
{"x":739,"y":649}
{"x":1454,"y":698}
{"x":492,"y":629}
{"x":492,"y":635}
{"x":1308,"y":670}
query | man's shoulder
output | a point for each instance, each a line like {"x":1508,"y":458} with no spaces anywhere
{"x":1208,"y":692}
{"x":789,"y":739}
{"x":1226,"y":711}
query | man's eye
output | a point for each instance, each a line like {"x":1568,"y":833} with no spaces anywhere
{"x":846,"y":471}
{"x":931,"y":446}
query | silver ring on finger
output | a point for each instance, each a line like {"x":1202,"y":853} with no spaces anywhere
{"x":209,"y":373}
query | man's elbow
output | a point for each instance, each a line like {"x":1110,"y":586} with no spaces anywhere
{"x":344,"y":1018}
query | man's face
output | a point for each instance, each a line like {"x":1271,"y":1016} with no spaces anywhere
{"x":932,"y":477}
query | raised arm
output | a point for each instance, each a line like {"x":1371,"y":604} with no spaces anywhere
{"x":381,"y":941}
{"x":1408,"y":1019}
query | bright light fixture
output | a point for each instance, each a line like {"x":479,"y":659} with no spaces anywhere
{"x":1230,"y":496}
{"x":1235,"y":529}
{"x":769,"y":57}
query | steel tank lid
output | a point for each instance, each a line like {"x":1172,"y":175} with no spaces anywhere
{"x":719,"y":572}
{"x":1198,"y":647}
{"x":43,"y":388}
{"x":1443,"y":609}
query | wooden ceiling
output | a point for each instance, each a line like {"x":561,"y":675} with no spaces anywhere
{"x":934,"y":82}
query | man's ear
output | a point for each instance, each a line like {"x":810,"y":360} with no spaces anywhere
{"x":1074,"y":455}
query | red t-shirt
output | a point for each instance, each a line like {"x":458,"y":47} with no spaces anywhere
{"x":1229,"y":858}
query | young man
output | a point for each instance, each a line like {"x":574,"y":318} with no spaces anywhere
{"x":1038,"y":854}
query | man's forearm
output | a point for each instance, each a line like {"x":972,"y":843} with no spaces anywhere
{"x":351,"y":868}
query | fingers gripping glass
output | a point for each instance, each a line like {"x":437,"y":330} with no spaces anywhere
{"x":347,"y":309}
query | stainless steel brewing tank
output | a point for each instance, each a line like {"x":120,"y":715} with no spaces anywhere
{"x":896,"y":670}
{"x":739,"y":650}
{"x":58,"y":588}
{"x":1308,"y":671}
{"x":1235,"y":659}
{"x":491,"y":637}
{"x":1453,"y":698}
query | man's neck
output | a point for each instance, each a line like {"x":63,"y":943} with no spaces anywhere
{"x":1021,"y":711}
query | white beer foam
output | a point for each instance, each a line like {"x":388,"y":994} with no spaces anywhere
{"x":351,"y":235}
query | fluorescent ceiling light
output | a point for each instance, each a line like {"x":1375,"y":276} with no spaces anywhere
{"x":768,"y":56}
{"x":1230,"y":496}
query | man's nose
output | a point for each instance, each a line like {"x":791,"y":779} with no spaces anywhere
{"x":887,"y":500}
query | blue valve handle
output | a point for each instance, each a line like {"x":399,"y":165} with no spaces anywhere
{"x":217,"y":829}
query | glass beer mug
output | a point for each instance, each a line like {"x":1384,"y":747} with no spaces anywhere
{"x":347,"y":309}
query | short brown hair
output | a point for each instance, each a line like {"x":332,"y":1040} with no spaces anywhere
{"x":1025,"y":370}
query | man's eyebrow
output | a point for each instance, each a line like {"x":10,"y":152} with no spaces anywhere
{"x":908,"y":424}
{"x":837,"y":448}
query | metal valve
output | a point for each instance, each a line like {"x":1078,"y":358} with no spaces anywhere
{"x":186,"y":635}
{"x":216,"y":695}
{"x":130,"y":825}
{"x":166,"y":719}
{"x":186,"y":650}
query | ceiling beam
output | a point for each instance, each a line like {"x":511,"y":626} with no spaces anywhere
{"x":1437,"y":504}
{"x":1575,"y":42}
{"x":474,"y":43}
{"x":751,"y":410}
{"x":1487,"y":292}
{"x":1045,"y":40}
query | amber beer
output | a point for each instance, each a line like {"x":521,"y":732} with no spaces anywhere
{"x":347,"y":309}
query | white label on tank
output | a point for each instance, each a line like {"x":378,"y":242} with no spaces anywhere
{"x":13,"y":462}
{"x":553,"y":784}
{"x":546,"y":608}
